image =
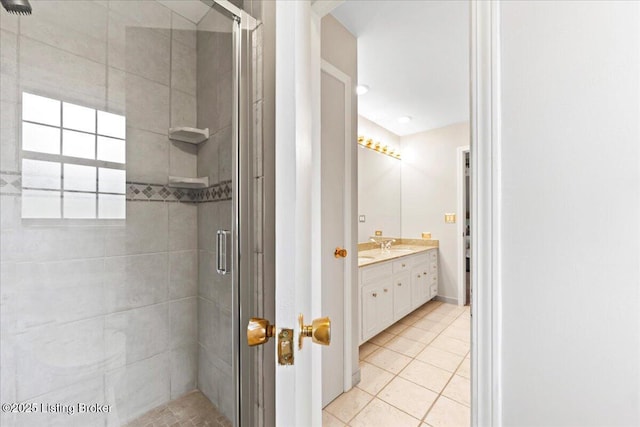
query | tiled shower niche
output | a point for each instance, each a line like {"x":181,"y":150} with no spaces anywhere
{"x":126,"y":311}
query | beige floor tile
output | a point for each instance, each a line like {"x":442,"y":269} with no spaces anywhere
{"x":367,"y":348}
{"x":411,"y":398}
{"x":461,"y":322}
{"x":381,"y":414}
{"x":348,"y":404}
{"x":447,"y":413}
{"x":329,"y":420}
{"x":462,"y":334}
{"x":389,"y":360}
{"x":418,"y":334}
{"x":448,"y":309}
{"x":427,"y":307}
{"x":465,"y":368}
{"x":410,"y":319}
{"x":396,"y":328}
{"x":451,"y":345}
{"x":440,"y":358}
{"x":426,"y":375}
{"x":405,"y":346}
{"x":435,"y":316}
{"x":372,"y":378}
{"x":430,"y":325}
{"x":459,"y":389}
{"x":424,"y":308}
{"x":382,"y":338}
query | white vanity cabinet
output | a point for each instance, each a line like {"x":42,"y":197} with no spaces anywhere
{"x":377,"y":307}
{"x":420,"y":284}
{"x":389,"y":290}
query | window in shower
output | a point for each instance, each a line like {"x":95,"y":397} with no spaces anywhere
{"x":73,"y":161}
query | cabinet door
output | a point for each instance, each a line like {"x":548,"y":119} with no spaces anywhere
{"x":370,"y":318}
{"x":419,"y":292}
{"x":385,"y":305}
{"x":401,"y":296}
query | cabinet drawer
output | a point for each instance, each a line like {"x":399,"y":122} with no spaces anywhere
{"x":420,"y":259}
{"x":375,"y":272}
{"x":401,"y":265}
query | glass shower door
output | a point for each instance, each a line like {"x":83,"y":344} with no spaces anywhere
{"x":119,"y":163}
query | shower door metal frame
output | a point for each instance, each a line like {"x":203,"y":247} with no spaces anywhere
{"x":241,"y":260}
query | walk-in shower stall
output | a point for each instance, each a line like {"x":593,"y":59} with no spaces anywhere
{"x":130,"y":191}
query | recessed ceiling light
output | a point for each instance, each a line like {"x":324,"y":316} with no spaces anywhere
{"x":404,"y":119}
{"x":362,"y":89}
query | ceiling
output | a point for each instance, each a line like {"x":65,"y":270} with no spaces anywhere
{"x":414,"y":56}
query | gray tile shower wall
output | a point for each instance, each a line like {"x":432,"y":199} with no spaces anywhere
{"x":106,"y":311}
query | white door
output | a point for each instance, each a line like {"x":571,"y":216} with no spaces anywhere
{"x":298,"y":202}
{"x":335,"y":144}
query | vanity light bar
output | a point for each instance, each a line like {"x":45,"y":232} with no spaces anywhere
{"x":377,"y":146}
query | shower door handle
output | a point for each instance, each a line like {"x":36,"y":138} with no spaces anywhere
{"x":222,"y":256}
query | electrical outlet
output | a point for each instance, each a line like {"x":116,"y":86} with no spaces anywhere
{"x":378,"y":233}
{"x":362,"y":218}
{"x":426,"y":236}
{"x":450,"y":218}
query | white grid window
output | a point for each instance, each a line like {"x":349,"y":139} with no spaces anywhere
{"x":73,"y":160}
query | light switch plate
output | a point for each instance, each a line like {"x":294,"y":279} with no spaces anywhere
{"x":426,"y":235}
{"x":362,"y":218}
{"x":378,"y":232}
{"x":450,"y":218}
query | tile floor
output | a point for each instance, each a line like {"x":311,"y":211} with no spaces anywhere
{"x":415,"y":373}
{"x":191,"y":410}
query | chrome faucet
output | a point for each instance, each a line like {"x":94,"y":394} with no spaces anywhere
{"x":384,"y":242}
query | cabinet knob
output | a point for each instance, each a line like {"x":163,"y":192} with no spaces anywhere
{"x":419,"y":276}
{"x":404,"y":265}
{"x":374,"y":294}
{"x":425,"y":273}
{"x":399,"y":284}
{"x":386,"y":290}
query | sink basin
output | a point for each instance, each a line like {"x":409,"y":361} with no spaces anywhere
{"x":400,"y":250}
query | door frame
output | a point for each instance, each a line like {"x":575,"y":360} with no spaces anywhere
{"x":485,"y":205}
{"x":486,"y":320}
{"x":460,"y":198}
{"x":344,"y":78}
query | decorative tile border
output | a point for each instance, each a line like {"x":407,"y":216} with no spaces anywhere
{"x":215,"y":193}
{"x":11,"y":184}
{"x":137,"y":191}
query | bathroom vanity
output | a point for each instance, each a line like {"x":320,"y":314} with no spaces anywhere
{"x":394,"y":283}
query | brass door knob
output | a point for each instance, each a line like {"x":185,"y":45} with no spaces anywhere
{"x":259,"y":331}
{"x":319,"y":330}
{"x":340,"y":253}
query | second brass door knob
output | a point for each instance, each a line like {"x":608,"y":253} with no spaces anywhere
{"x":340,"y":253}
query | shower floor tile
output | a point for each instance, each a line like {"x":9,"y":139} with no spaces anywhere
{"x":191,"y":410}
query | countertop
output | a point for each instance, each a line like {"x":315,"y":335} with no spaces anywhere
{"x":374,"y":256}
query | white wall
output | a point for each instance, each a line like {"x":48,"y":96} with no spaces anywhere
{"x":378,"y":184}
{"x":429,"y":190}
{"x":570,"y":212}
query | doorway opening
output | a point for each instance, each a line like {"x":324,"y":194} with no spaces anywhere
{"x":464,"y":226}
{"x":413,"y":131}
